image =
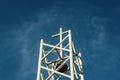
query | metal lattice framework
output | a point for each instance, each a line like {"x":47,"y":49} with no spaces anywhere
{"x":62,"y":56}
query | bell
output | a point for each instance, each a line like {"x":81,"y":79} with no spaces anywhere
{"x":63,"y":68}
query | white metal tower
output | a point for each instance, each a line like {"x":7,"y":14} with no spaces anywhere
{"x":60,"y":61}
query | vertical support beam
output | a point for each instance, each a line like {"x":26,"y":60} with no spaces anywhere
{"x":52,"y":78}
{"x":80,"y":61}
{"x":39,"y":61}
{"x":71,"y":56}
{"x":60,"y":41}
{"x":75,"y":72}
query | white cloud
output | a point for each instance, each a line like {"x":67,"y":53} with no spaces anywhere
{"x":99,"y":34}
{"x":24,"y":39}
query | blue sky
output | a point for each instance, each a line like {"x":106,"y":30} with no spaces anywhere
{"x":94,"y":24}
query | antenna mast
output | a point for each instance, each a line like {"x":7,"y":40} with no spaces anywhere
{"x":60,"y":61}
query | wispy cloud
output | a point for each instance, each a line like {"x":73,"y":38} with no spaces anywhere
{"x":28,"y":39}
{"x":99,"y":34}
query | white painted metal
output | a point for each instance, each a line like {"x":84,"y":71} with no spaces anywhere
{"x":60,"y":41}
{"x":39,"y":62}
{"x":63,"y":52}
{"x":71,"y":56}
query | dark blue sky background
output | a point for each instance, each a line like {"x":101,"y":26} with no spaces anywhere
{"x":95,"y":25}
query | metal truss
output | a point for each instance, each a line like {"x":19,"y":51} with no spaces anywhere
{"x":60,"y":61}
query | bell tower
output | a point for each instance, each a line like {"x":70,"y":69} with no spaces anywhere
{"x":60,"y":61}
